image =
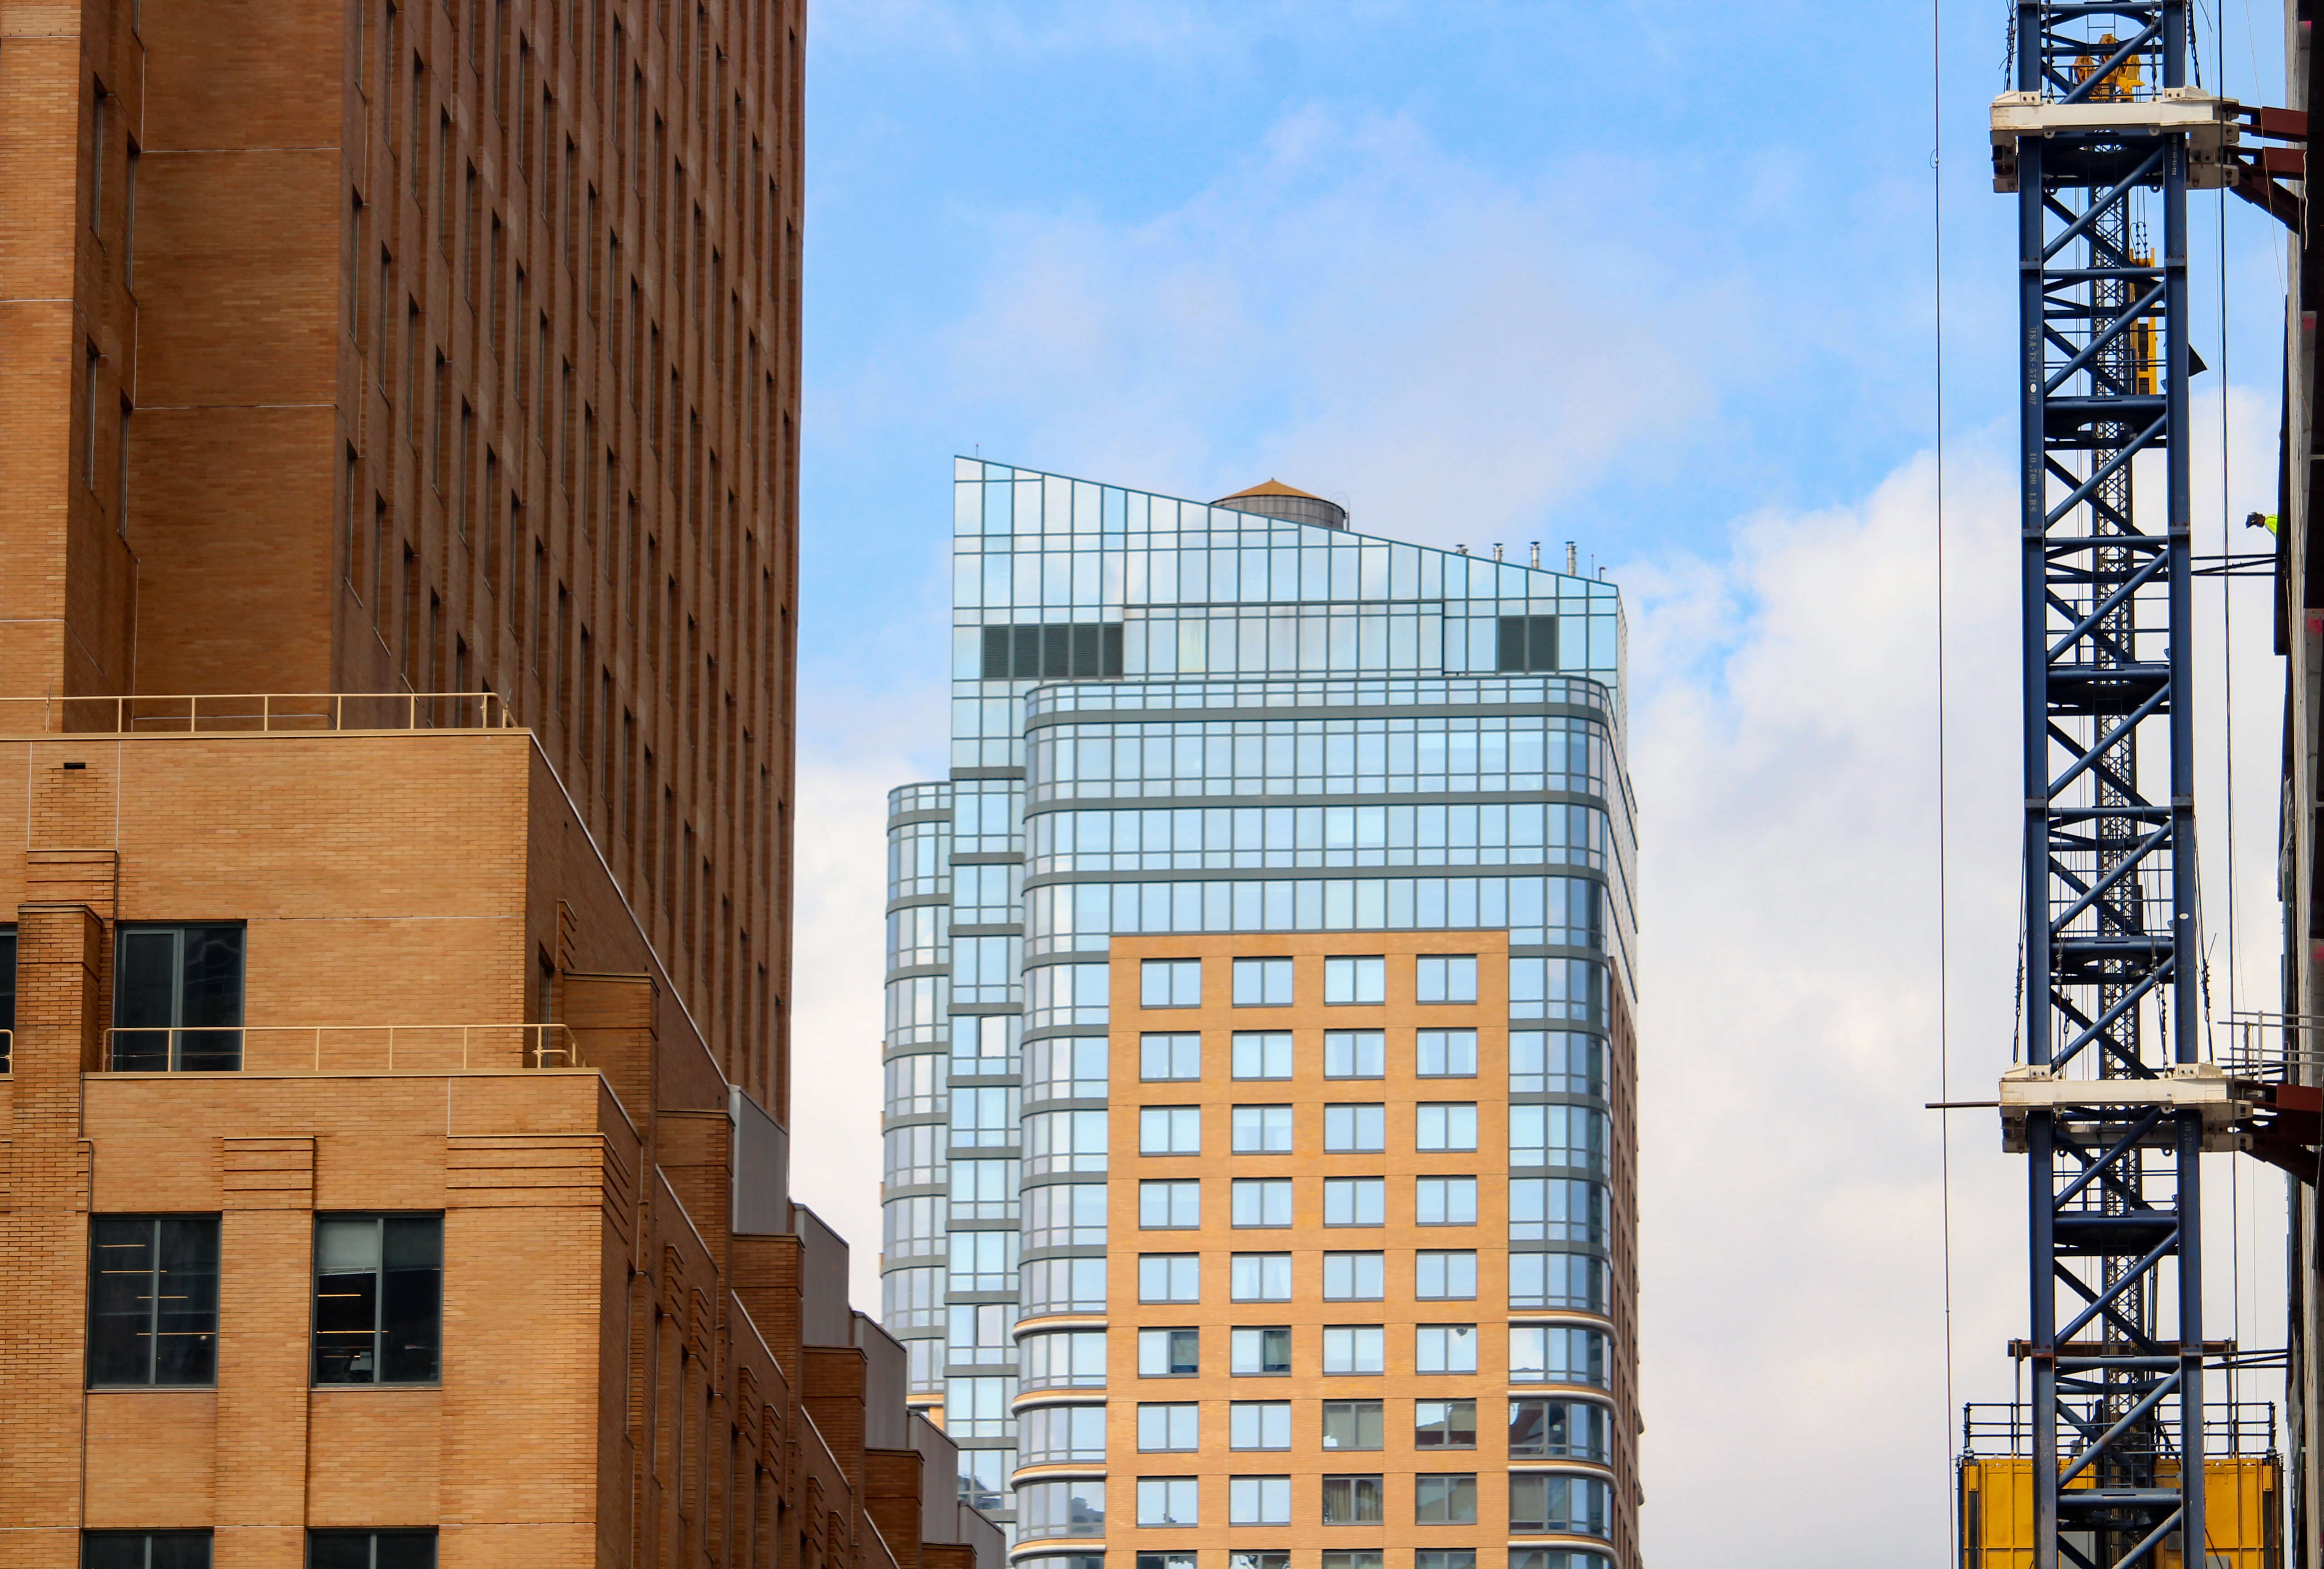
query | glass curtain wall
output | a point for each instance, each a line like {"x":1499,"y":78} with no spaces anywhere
{"x":1381,"y":736}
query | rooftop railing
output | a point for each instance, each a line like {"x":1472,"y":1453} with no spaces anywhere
{"x":253,"y":713}
{"x":322,"y":1049}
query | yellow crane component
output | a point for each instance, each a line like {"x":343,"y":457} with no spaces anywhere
{"x":2243,"y":1512}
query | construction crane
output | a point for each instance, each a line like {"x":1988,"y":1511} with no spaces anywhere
{"x":2115,"y":1460}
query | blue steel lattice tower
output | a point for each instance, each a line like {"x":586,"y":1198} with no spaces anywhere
{"x":1173,"y":717}
{"x":2113,"y":1104}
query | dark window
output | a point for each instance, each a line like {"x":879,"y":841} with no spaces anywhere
{"x":152,"y":1302}
{"x":7,"y":994}
{"x":379,"y":1300}
{"x":1448,"y":1558}
{"x":1557,"y":1430}
{"x":1445,"y":1500}
{"x":371,"y":1550}
{"x":1529,"y":643}
{"x":144,"y":1550}
{"x":1354,"y":1424}
{"x":177,"y":999}
{"x":1084,"y":651}
{"x":1351,"y":1500}
{"x":1449,"y":1424}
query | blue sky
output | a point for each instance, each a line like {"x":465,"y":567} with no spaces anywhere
{"x":1652,"y":275}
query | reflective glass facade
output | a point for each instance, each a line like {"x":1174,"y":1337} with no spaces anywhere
{"x":1174,"y":718}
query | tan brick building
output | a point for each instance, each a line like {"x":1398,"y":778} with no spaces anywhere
{"x":391,"y":1135}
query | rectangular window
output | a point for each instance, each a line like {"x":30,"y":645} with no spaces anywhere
{"x":1169,"y":1205}
{"x":1449,"y":1125}
{"x":1355,"y":1348}
{"x":1170,"y":1278}
{"x":146,"y":1550}
{"x":1169,"y":1057}
{"x":1165,"y":1560}
{"x":7,"y":994}
{"x":1258,"y":1353}
{"x":1445,"y":1424}
{"x":1527,"y":643}
{"x":1262,"y":1129}
{"x":1166,"y":1427}
{"x":1169,"y":1130}
{"x":1248,"y":1558}
{"x":1356,"y":1201}
{"x":1262,"y":1201}
{"x":1259,"y":1424}
{"x":1360,"y":979}
{"x":1445,"y":1201}
{"x":1258,"y":1501}
{"x":1445,"y":1499}
{"x":1446,"y":978}
{"x":1541,"y":1502}
{"x":1355,"y":1276}
{"x":152,"y":1299}
{"x":1558,"y":1430}
{"x":1457,"y":1558}
{"x":1355,"y":1129}
{"x":379,"y":1300}
{"x":177,"y":999}
{"x":1355,"y":1053}
{"x":1262,"y":983}
{"x":1444,"y":1276}
{"x":1170,"y":983}
{"x":1168,"y":1353}
{"x":1446,"y":1054}
{"x":1354,"y":1424}
{"x":1262,"y":1054}
{"x":1354,"y":1558}
{"x":1444,"y":1348}
{"x":1352,"y":1500}
{"x":1165,"y":1501}
{"x":1260,"y":1278}
{"x":371,"y":1550}
{"x":1059,"y":652}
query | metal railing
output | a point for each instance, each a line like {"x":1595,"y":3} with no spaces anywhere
{"x":2280,"y":1047}
{"x":253,"y":713}
{"x":2240,"y":1428}
{"x":395,"y":1048}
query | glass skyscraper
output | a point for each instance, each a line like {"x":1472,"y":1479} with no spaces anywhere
{"x":1242,"y":727}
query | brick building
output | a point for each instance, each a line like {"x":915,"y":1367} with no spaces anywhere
{"x":395,"y":1085}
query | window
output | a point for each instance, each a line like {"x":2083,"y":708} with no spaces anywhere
{"x":1169,"y":1057}
{"x":1059,"y":1070}
{"x":1258,"y":1501}
{"x":1245,"y":1558}
{"x":1355,"y":1348}
{"x":1356,"y":1201}
{"x":1355,"y":1276}
{"x":1352,"y":1500}
{"x":1165,"y":1501}
{"x":1444,"y":1499}
{"x":978,"y":1407}
{"x":177,"y":999}
{"x":1258,"y":1353}
{"x":379,"y":1298}
{"x":1049,"y":1435}
{"x":1446,"y":1054}
{"x":1446,"y":1125}
{"x":1170,"y":983}
{"x":1559,"y":1430}
{"x":983,"y":1117}
{"x":1260,"y":1278}
{"x":1262,"y":983}
{"x":983,"y":1260}
{"x":1064,"y":1286}
{"x":1262,"y":1054}
{"x":1355,"y":1053}
{"x":1058,"y":1215}
{"x":1557,"y":1062}
{"x":1526,"y":642}
{"x":1168,"y":1353}
{"x":371,"y":1550}
{"x":1444,"y":1276}
{"x":1553,"y":1353}
{"x":1261,"y":1201}
{"x":1355,"y":979}
{"x":1161,"y":1427}
{"x":1446,"y":1201}
{"x":1445,"y":1424}
{"x":1541,"y":1502}
{"x":1169,"y":1130}
{"x":984,"y":1190}
{"x":1446,"y":978}
{"x":1557,"y":1280}
{"x":1169,"y":1205}
{"x":1556,"y":1209}
{"x":1459,"y":1558}
{"x":1060,"y":1359}
{"x":1557,"y":1136}
{"x":1165,"y":1561}
{"x":1354,"y":1558}
{"x":152,"y":1299}
{"x":979,"y":1335}
{"x":146,"y":1550}
{"x":1170,"y":1278}
{"x":1058,"y":1141}
{"x":7,"y":992}
{"x":1060,"y":1509}
{"x":1354,"y":1424}
{"x":1061,"y":651}
{"x":1262,"y":1129}
{"x":1355,"y":1129}
{"x":1444,"y":1348}
{"x":1259,"y":1424}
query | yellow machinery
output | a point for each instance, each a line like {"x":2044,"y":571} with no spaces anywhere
{"x":2242,"y":1502}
